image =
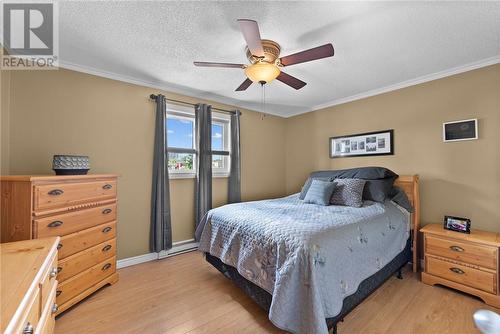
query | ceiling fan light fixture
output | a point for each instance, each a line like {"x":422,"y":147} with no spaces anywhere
{"x":262,"y":72}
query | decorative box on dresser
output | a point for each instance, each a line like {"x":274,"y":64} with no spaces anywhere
{"x":466,"y":262}
{"x":81,"y":209}
{"x":28,"y":286}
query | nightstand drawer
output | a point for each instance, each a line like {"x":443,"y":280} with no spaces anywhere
{"x":475,"y":278}
{"x":479,"y":255}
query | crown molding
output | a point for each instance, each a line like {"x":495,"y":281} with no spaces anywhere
{"x":188,"y":92}
{"x":425,"y":78}
{"x":229,"y":101}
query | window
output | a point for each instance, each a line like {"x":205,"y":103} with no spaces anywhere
{"x":220,"y":146}
{"x":182,"y":143}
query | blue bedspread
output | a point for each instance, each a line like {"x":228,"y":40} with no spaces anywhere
{"x":308,"y":257}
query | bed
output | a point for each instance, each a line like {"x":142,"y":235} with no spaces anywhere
{"x":329,"y":258}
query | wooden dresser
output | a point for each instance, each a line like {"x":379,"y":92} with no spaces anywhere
{"x":28,"y":286}
{"x":466,"y":262}
{"x":81,"y":209}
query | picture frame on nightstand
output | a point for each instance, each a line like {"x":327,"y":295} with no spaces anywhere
{"x":457,"y":224}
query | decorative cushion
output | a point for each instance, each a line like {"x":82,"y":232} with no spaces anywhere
{"x":319,"y":192}
{"x":348,"y":192}
{"x":306,"y":186}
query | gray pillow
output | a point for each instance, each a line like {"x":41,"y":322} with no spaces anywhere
{"x":399,"y":196}
{"x":319,"y":192}
{"x":378,"y":190}
{"x":365,"y":173}
{"x":306,"y":186}
{"x":348,"y":192}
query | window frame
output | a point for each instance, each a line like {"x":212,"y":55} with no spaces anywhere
{"x":183,"y":112}
{"x":225,"y":121}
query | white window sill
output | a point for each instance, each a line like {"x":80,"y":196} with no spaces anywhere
{"x":173,"y":176}
{"x":219,"y":175}
{"x":176,"y":176}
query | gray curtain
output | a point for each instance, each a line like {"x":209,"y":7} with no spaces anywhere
{"x":203,"y":161}
{"x":161,"y":230}
{"x":234,"y":183}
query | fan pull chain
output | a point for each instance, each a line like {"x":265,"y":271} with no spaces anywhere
{"x":263,"y":101}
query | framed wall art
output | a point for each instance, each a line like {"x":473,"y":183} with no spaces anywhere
{"x":363,"y":144}
{"x":460,"y":130}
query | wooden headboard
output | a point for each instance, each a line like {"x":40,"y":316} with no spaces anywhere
{"x":409,"y":183}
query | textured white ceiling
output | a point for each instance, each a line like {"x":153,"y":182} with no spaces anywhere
{"x":377,"y":44}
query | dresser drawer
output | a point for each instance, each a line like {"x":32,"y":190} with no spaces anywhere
{"x":66,"y":194}
{"x":480,"y":255}
{"x":78,"y":241}
{"x":84,"y":280}
{"x":48,"y":280}
{"x":31,"y":314}
{"x":475,"y":278}
{"x":85,"y":259}
{"x":66,"y":223}
{"x":47,"y":318}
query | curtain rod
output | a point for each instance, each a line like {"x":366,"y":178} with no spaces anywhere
{"x":153,"y":97}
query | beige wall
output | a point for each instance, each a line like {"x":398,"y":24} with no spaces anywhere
{"x":459,"y":178}
{"x":4,"y":121}
{"x":54,"y":112}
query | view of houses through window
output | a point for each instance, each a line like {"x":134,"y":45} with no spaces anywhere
{"x":182,"y":144}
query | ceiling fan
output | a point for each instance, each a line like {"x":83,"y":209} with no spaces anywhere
{"x":265,"y":64}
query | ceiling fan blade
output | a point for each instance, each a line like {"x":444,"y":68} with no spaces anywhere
{"x":291,"y":81}
{"x":319,"y":52}
{"x":250,"y":31}
{"x":244,"y":85}
{"x":210,"y":64}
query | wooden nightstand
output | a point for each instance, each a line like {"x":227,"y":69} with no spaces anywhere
{"x":466,"y":262}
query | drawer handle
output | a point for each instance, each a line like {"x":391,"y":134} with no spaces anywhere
{"x":55,"y":223}
{"x":456,"y":248}
{"x":28,"y":329}
{"x":56,"y":192}
{"x":106,"y":266}
{"x":457,"y":271}
{"x":106,"y":229}
{"x":106,"y":248}
{"x":58,"y":293}
{"x":106,"y":211}
{"x":55,"y":308}
{"x":59,"y":246}
{"x":54,"y":272}
{"x":107,"y":186}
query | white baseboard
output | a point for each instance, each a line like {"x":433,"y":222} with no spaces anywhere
{"x":179,"y":247}
{"x":130,"y":261}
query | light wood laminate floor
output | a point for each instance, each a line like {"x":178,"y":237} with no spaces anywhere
{"x":184,"y":294}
